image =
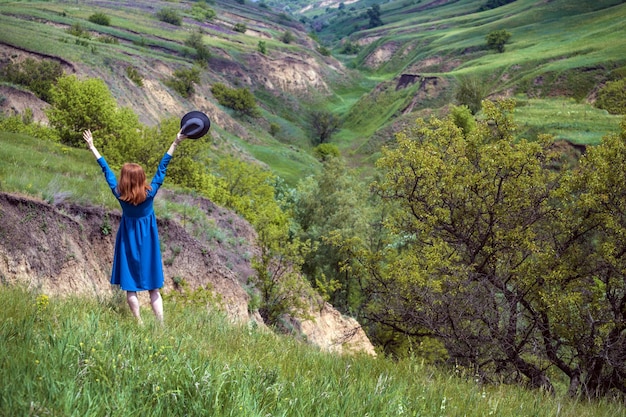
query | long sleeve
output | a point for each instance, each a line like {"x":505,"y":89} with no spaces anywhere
{"x":108,"y":175}
{"x":159,"y":175}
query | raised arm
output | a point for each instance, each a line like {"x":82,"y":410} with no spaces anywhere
{"x":179,"y":138}
{"x":89,"y":139}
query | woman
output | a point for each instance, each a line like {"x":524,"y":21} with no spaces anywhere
{"x":137,"y":264}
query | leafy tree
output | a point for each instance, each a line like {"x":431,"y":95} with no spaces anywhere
{"x":612,"y":97}
{"x":239,"y":99}
{"x":468,"y":215}
{"x":169,"y":15}
{"x":374,"y":15}
{"x":100,"y":19}
{"x":37,"y":76}
{"x":183,"y":81}
{"x":332,"y":207}
{"x":324,"y":124}
{"x":77,"y":105}
{"x":497,"y":39}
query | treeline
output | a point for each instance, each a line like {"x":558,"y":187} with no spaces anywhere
{"x":469,"y":247}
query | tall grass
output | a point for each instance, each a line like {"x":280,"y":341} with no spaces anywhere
{"x":84,"y":357}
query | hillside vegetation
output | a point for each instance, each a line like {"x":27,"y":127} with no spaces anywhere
{"x":443,"y":171}
{"x":79,"y":357}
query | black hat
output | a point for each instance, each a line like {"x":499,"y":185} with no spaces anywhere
{"x":195,"y":124}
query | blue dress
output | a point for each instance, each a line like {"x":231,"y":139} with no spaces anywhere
{"x":137,"y":264}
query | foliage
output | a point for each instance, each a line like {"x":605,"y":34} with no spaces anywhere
{"x":169,"y":15}
{"x":37,"y":76}
{"x":326,"y":151}
{"x":324,"y":51}
{"x":287,"y":37}
{"x":612,"y":97}
{"x":331,"y":209}
{"x":262,"y":47}
{"x":183,"y":81}
{"x":507,"y":261}
{"x":323,"y":125}
{"x":77,"y":105}
{"x":134,"y":75}
{"x":463,"y":118}
{"x":239,"y":99}
{"x":374,"y":15}
{"x":471,"y":91}
{"x":240,"y":27}
{"x":100,"y":18}
{"x":350,"y":48}
{"x":79,"y":31}
{"x":21,"y":124}
{"x":496,"y":39}
{"x":194,"y":40}
{"x":202,"y":12}
{"x":201,"y":363}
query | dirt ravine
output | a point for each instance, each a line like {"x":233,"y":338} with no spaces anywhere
{"x":68,"y":249}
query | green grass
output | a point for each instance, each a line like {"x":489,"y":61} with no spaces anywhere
{"x":87,"y":357}
{"x":565,"y":119}
{"x":51,"y":171}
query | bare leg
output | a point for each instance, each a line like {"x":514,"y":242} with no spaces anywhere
{"x":157,"y":304}
{"x":133,"y":303}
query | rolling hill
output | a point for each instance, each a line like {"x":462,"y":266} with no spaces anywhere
{"x":559,"y":54}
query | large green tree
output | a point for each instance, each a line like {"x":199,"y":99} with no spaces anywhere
{"x":468,"y":217}
{"x":78,"y":104}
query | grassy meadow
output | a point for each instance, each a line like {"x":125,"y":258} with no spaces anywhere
{"x":88,"y":357}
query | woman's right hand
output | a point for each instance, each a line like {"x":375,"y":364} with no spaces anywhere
{"x":88,"y":138}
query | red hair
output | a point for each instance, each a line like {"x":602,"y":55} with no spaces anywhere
{"x":132,"y":186}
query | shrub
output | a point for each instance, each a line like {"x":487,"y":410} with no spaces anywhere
{"x":350,"y":48}
{"x":262,"y":47}
{"x":134,"y":75}
{"x":169,"y":15}
{"x":37,"y":76}
{"x":77,"y":30}
{"x":239,"y":99}
{"x":612,"y":97}
{"x":287,"y":37}
{"x":100,"y":19}
{"x":497,"y":38}
{"x":201,"y":12}
{"x":325,"y":151}
{"x":240,"y":27}
{"x":183,"y":81}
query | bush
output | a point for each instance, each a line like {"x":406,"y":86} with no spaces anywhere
{"x":287,"y":37}
{"x":497,"y":38}
{"x":134,"y":75}
{"x":169,"y":15}
{"x":183,"y":81}
{"x":201,"y":12}
{"x":239,"y":99}
{"x":240,"y":27}
{"x":100,"y":19}
{"x":37,"y":76}
{"x":612,"y":97}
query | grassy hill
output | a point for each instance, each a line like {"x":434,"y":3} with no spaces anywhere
{"x":84,"y":357}
{"x":559,"y":50}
